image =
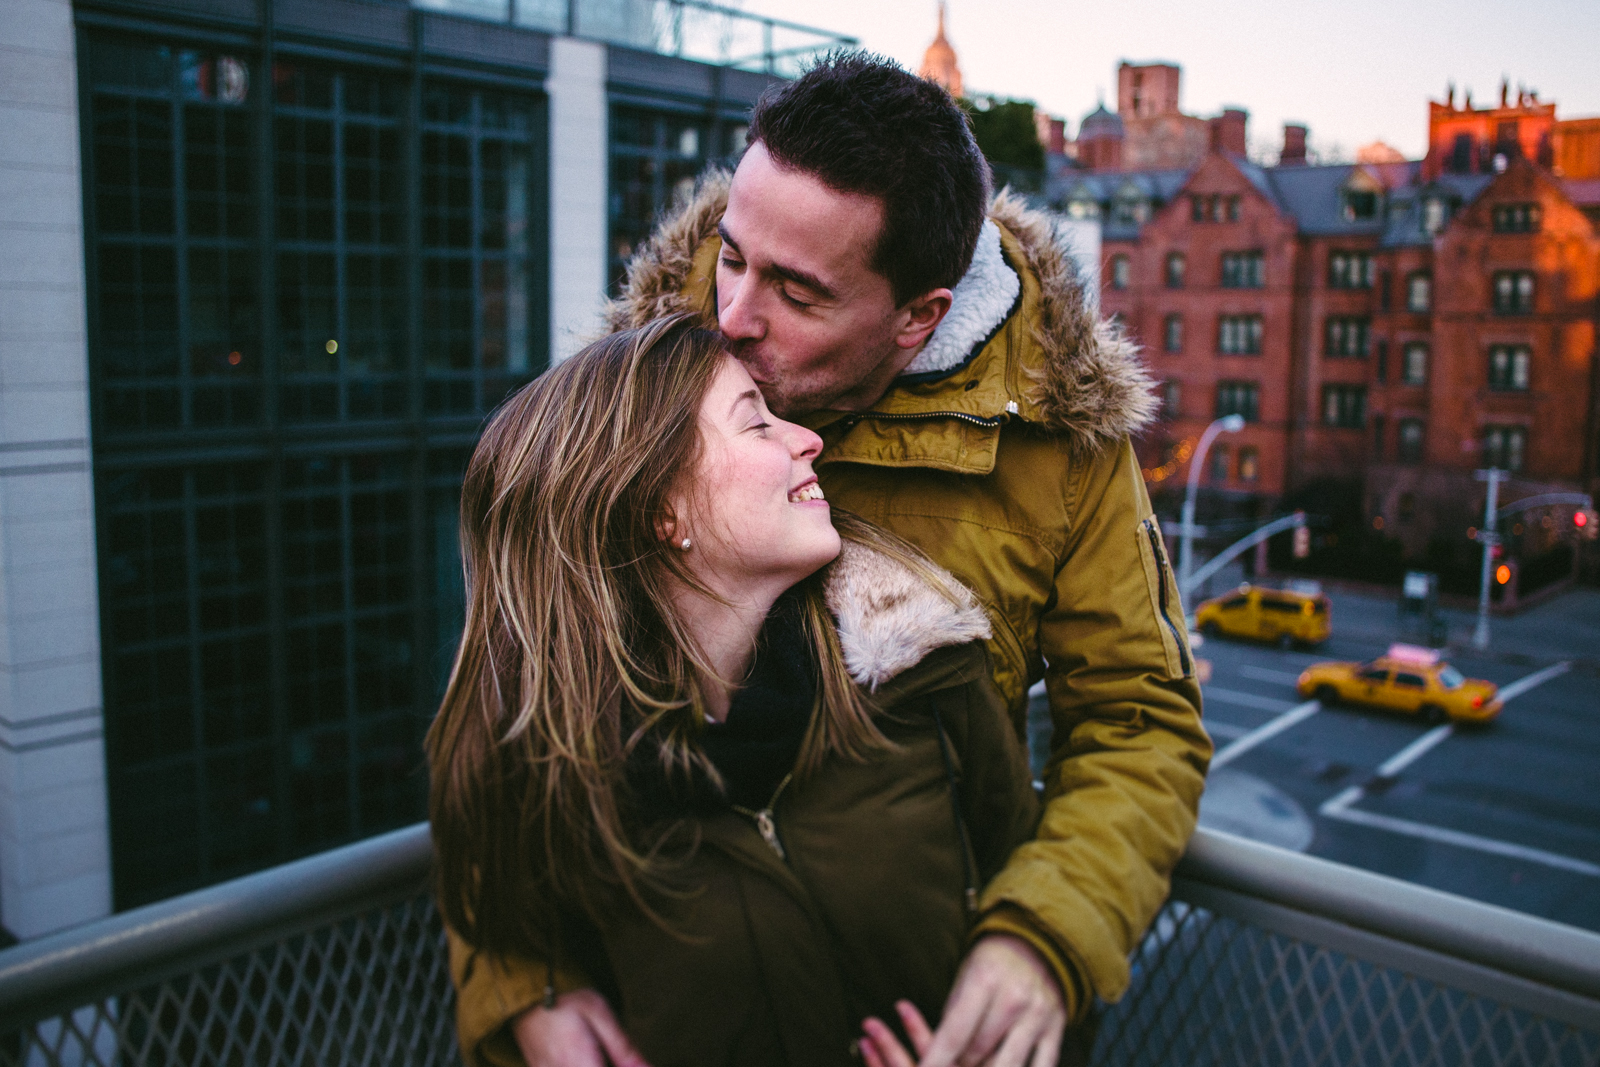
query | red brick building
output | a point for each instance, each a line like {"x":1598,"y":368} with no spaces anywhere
{"x":1373,"y":324}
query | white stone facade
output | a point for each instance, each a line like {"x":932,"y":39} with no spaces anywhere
{"x":578,"y":181}
{"x":55,"y":864}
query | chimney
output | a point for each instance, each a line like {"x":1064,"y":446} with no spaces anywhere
{"x":1228,"y":131}
{"x":1294,"y":146}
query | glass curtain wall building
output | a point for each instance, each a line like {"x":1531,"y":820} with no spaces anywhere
{"x":317,"y":256}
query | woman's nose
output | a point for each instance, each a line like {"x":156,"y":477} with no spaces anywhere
{"x":803,"y":443}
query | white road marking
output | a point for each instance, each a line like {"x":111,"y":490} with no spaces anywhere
{"x":1342,"y":806}
{"x":1224,"y":729}
{"x":1522,"y":685}
{"x":1265,"y":674}
{"x":1455,"y":837}
{"x":1293,"y":717}
{"x":1247,"y":700}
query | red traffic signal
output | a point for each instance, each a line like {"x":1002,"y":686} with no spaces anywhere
{"x":1502,"y":574}
{"x":1580,"y":519}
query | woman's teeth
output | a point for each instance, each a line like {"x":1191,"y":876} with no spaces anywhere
{"x":809,"y":491}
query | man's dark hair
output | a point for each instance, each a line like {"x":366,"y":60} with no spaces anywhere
{"x":860,"y":123}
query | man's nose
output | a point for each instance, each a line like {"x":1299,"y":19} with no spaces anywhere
{"x":737,"y":318}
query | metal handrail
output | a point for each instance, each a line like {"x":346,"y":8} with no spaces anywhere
{"x":59,"y":972}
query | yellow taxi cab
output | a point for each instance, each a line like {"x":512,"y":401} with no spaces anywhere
{"x":1287,"y":616}
{"x":1407,"y":679}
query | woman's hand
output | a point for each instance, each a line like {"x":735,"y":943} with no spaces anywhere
{"x":880,"y":1048}
{"x":580,"y":1031}
{"x":1005,"y":1010}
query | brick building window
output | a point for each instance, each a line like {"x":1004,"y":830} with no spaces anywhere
{"x":1243,"y":270}
{"x":1121,"y":272}
{"x":1172,"y":333}
{"x":1504,"y":446}
{"x":1360,"y":204}
{"x":1219,"y":463}
{"x":1171,"y":399}
{"x":1414,"y":365}
{"x":1435,"y":215}
{"x":1383,"y":360}
{"x":1239,"y":398}
{"x":1515,"y":218}
{"x":1508,"y":368}
{"x":1249,"y":465}
{"x":1214,"y":208}
{"x":1419,"y":292}
{"x":1377,"y":438}
{"x":1239,"y":335}
{"x":1176,"y":266}
{"x":1344,"y":406}
{"x":1410,"y":443}
{"x":1345,"y":335}
{"x":1350,"y":270}
{"x":1513,"y":292}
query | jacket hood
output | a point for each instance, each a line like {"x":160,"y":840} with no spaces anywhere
{"x":1087,"y":380}
{"x":890,"y":619}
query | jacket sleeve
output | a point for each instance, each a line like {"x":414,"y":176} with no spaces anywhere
{"x":1128,"y":755}
{"x":493,"y":990}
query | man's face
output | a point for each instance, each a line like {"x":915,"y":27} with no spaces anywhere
{"x":797,"y":297}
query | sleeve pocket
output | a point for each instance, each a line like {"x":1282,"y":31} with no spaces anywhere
{"x":1164,"y":599}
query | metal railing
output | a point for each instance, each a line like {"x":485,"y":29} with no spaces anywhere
{"x":1261,"y":957}
{"x":691,"y":29}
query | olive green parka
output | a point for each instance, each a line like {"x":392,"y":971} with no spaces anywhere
{"x":785,"y":928}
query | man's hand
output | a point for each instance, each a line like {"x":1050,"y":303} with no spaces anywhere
{"x":1005,"y":1010}
{"x":580,"y":1031}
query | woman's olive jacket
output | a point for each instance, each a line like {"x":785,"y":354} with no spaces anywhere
{"x":781,"y":943}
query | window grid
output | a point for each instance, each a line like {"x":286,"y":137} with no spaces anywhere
{"x":278,"y":624}
{"x":1515,"y":218}
{"x":1121,"y":272}
{"x":1238,"y":398}
{"x":1176,"y":267}
{"x":1505,"y":447}
{"x":1346,"y":336}
{"x":1513,"y":292}
{"x":1414,"y":364}
{"x":1344,"y":406}
{"x":1410,"y":443}
{"x":1243,"y":270}
{"x":1350,"y":270}
{"x":1419,"y":293}
{"x":1508,"y":367}
{"x":1239,"y":335}
{"x":1172,"y":333}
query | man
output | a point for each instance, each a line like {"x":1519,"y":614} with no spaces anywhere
{"x":968,"y":401}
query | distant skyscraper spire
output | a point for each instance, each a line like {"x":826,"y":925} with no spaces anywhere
{"x":939,"y":61}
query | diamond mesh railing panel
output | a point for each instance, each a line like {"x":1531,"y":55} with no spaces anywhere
{"x":1210,"y":989}
{"x":372,"y":989}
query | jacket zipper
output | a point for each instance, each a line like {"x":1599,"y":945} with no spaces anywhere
{"x":1161,"y":585}
{"x":975,"y":420}
{"x":765,"y":824}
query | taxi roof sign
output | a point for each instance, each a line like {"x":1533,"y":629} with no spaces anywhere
{"x":1422,"y":657}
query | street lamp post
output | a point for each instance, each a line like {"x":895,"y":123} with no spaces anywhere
{"x":1489,"y":537}
{"x":1226,"y":424}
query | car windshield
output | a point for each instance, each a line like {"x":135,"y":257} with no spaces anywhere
{"x":1449,"y":677}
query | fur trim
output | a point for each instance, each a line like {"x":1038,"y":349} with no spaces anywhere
{"x":1092,"y":386}
{"x":889,"y":618}
{"x":657,"y":271}
{"x":980,"y":302}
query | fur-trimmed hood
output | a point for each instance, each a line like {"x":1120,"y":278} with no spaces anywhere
{"x":890,"y":618}
{"x":1087,"y":380}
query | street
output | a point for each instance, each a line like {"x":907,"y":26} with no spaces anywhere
{"x":1508,"y":814}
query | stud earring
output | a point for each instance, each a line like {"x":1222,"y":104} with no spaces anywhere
{"x":684,"y":544}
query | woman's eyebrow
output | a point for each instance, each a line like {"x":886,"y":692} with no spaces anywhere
{"x":753,"y":395}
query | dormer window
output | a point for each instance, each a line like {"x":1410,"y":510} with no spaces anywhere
{"x":1131,"y":211}
{"x":1435,"y":214}
{"x":1360,"y":204}
{"x":1083,"y":209}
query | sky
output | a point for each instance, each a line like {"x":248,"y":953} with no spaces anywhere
{"x":1355,"y":72}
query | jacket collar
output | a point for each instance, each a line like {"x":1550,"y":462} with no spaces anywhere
{"x":890,"y":619}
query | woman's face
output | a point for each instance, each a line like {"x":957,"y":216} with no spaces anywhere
{"x":755,"y":516}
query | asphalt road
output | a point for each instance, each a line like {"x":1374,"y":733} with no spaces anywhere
{"x":1508,"y":814}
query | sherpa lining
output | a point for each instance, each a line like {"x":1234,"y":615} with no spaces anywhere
{"x":979,"y":303}
{"x":889,"y":618}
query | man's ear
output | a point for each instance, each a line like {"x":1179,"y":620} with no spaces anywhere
{"x":921,"y":316}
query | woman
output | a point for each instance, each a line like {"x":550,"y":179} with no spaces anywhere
{"x":718,"y":774}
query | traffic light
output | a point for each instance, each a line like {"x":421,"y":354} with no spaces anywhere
{"x":1502,"y":574}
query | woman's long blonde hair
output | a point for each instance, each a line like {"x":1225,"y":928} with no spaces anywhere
{"x":573,"y":653}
